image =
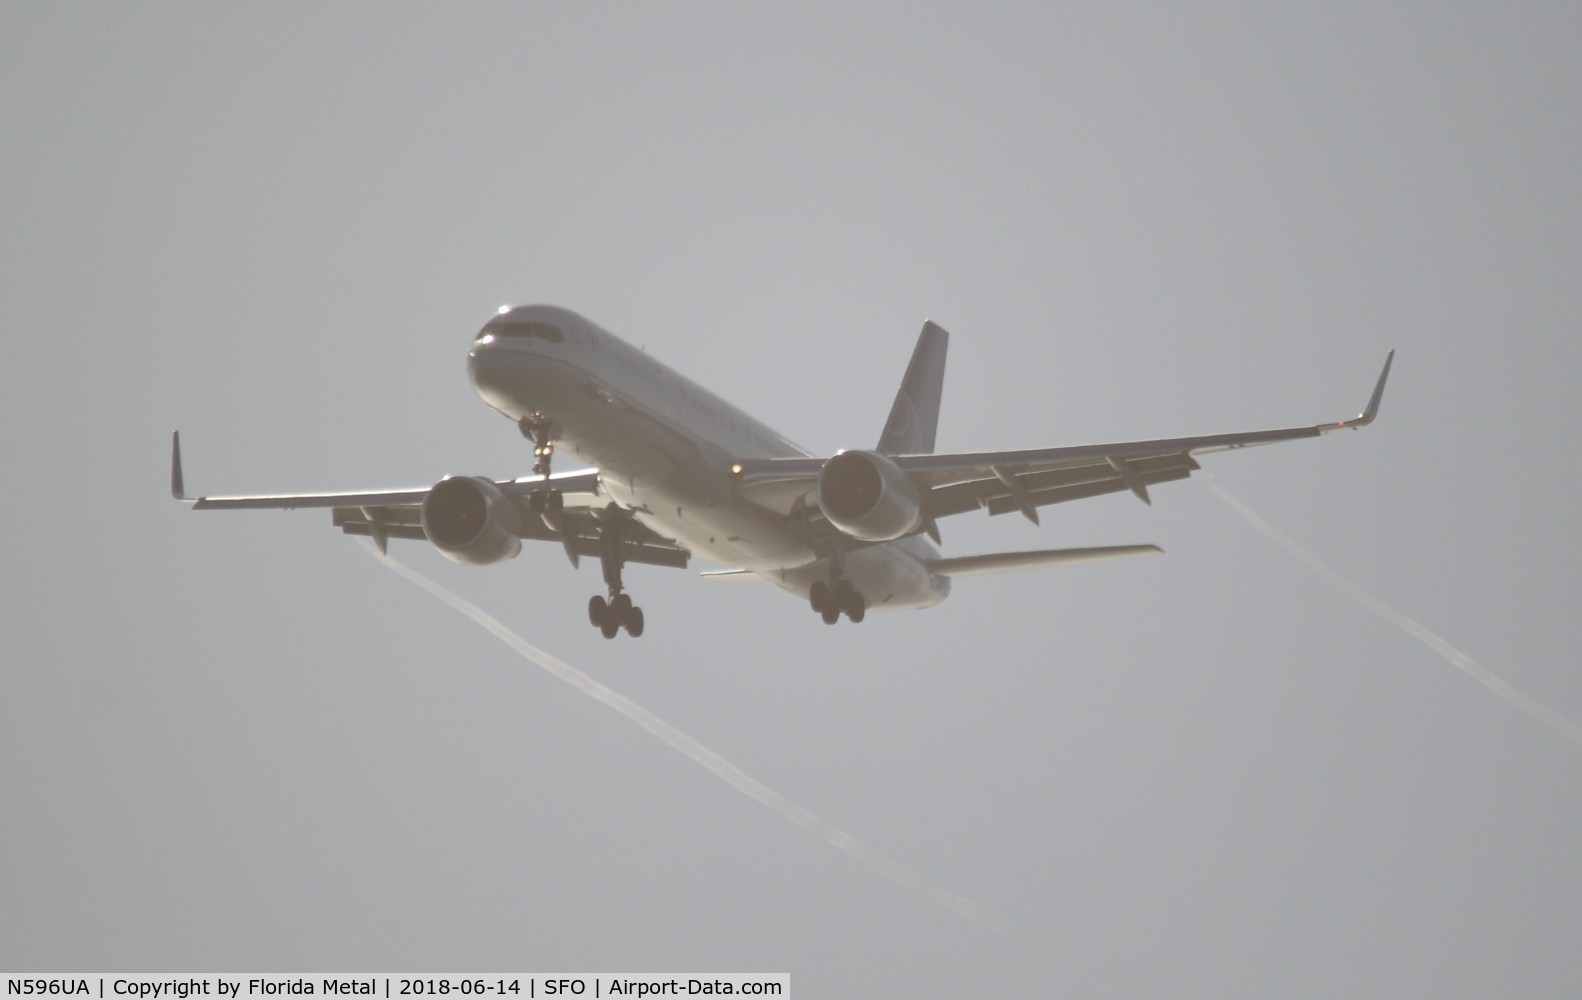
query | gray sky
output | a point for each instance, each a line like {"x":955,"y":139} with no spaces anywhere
{"x":233,"y":741}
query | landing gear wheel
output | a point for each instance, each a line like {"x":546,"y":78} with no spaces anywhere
{"x":818,"y":596}
{"x":857,"y":609}
{"x":609,"y":617}
{"x":619,"y":612}
{"x":850,"y":603}
{"x":830,"y":615}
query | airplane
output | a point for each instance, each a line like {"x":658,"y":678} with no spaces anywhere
{"x":680,"y":472}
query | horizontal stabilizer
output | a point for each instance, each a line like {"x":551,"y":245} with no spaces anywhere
{"x":1006,"y":562}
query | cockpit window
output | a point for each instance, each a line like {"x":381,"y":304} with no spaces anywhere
{"x":527,"y":330}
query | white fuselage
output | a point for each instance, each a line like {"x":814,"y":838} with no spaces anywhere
{"x":664,"y":447}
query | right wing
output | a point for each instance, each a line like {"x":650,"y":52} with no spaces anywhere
{"x":386,"y":514}
{"x":1005,"y":481}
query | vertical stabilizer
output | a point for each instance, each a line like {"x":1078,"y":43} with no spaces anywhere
{"x":915,"y":415}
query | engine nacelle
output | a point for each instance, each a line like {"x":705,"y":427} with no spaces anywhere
{"x":471,"y":521}
{"x":868,"y":497}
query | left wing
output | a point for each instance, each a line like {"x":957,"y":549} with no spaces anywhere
{"x":578,"y":532}
{"x":386,"y":514}
{"x":1005,"y":481}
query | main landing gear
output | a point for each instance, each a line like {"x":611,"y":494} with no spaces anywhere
{"x":609,"y":617}
{"x":618,"y":612}
{"x":831,"y":600}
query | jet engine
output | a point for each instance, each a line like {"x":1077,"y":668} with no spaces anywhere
{"x":867,"y":496}
{"x":471,"y":521}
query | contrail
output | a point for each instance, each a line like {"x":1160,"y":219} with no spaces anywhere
{"x":706,"y":758}
{"x":1456,"y":657}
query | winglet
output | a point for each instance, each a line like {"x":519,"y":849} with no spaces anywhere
{"x":1378,"y":394}
{"x":1365,"y":418}
{"x":177,"y":487}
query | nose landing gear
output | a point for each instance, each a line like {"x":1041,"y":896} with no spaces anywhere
{"x":831,"y":600}
{"x":536,"y":428}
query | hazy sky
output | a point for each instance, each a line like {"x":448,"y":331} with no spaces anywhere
{"x":232,"y":741}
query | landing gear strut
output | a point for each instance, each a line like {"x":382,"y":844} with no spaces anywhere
{"x":831,"y":600}
{"x":536,"y":427}
{"x":611,"y":615}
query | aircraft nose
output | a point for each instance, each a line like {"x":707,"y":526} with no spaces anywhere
{"x":500,"y":372}
{"x":518,"y":351}
{"x":480,"y":354}
{"x":492,"y":344}
{"x":486,"y":358}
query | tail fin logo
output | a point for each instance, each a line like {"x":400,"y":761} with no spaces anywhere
{"x":903,"y":416}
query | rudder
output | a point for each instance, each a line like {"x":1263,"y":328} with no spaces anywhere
{"x":914,"y":417}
